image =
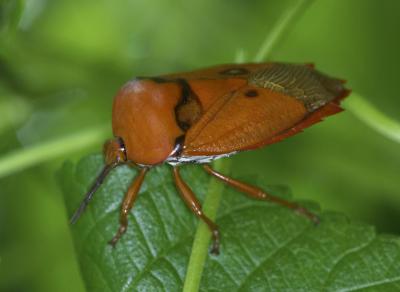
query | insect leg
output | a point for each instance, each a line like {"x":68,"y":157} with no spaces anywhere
{"x":259,"y":194}
{"x":127,"y":205}
{"x":191,"y":201}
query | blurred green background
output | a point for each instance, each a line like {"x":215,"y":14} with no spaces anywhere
{"x":61,"y":62}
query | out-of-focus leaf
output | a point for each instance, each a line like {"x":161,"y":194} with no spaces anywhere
{"x":13,"y":109}
{"x":264,"y":247}
{"x":55,"y":110}
{"x":10,"y":13}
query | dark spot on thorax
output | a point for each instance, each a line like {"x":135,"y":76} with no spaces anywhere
{"x":189,"y":109}
{"x":251,"y":93}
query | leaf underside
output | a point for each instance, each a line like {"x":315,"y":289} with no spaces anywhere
{"x":264,"y":247}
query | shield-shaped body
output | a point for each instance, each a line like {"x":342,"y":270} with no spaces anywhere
{"x":199,"y":116}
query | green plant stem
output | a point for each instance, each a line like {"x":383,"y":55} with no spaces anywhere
{"x":213,"y":197}
{"x":280,"y":28}
{"x":26,"y":157}
{"x":375,"y":119}
{"x":202,"y":237}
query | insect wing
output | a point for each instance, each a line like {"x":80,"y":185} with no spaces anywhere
{"x":241,"y":119}
{"x":277,"y":101}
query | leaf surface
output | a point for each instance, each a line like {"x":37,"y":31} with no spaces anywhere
{"x":264,"y":247}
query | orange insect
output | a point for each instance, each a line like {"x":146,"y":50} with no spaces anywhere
{"x":199,"y":116}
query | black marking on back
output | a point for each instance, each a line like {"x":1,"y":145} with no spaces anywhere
{"x":189,"y":109}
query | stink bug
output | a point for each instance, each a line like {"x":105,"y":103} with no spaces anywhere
{"x":200,"y":116}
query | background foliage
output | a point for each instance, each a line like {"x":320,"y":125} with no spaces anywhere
{"x":61,"y":62}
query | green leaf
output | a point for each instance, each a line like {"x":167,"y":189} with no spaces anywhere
{"x":264,"y":247}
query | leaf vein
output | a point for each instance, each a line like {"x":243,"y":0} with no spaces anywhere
{"x":282,"y":247}
{"x":345,"y":254}
{"x":154,"y":260}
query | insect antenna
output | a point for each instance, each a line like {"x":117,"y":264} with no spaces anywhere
{"x":89,"y":195}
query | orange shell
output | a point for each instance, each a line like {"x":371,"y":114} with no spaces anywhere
{"x":220,"y":110}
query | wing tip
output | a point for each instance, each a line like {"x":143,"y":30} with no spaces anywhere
{"x":345,"y":93}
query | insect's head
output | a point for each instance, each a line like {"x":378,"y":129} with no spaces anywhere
{"x":114,"y":155}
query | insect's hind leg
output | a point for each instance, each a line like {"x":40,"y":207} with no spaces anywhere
{"x":191,"y":201}
{"x":259,"y":194}
{"x":127,"y":205}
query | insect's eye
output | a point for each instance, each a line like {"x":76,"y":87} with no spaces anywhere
{"x":115,"y":151}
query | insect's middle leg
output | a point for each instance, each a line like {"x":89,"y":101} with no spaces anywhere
{"x":259,"y":194}
{"x":191,"y":201}
{"x":127,"y":205}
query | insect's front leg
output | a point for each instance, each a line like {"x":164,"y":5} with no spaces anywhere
{"x":127,"y":205}
{"x":191,"y":201}
{"x":259,"y":194}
